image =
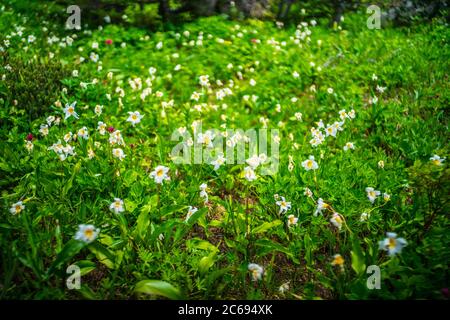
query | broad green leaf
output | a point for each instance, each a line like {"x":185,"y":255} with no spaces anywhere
{"x":71,"y":248}
{"x":86,"y":266}
{"x":103,"y":255}
{"x":207,"y":262}
{"x":266,"y":246}
{"x":308,"y":249}
{"x":159,"y":288}
{"x":69,"y":183}
{"x":266,"y":226}
{"x":197,"y":243}
{"x":358,"y":259}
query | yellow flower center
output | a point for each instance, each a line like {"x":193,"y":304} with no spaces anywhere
{"x":18,"y":208}
{"x":338,"y":260}
{"x":160,"y":172}
{"x":70,"y":110}
{"x":134,"y":117}
{"x":89,"y":233}
{"x":392,"y":243}
{"x":372,"y":194}
{"x":437,"y":162}
{"x":309,"y":164}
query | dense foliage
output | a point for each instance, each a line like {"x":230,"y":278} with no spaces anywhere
{"x":87,"y":177}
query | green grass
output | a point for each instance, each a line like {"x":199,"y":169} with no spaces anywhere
{"x":207,"y":257}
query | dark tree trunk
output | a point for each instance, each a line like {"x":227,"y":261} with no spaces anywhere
{"x":339,"y":6}
{"x":164,"y":10}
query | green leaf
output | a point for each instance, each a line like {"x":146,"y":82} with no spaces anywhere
{"x":358,"y":259}
{"x":69,"y":183}
{"x":308,"y":249}
{"x":207,"y":262}
{"x":85,"y":266}
{"x":197,"y":243}
{"x":266,"y":226}
{"x":159,"y":288}
{"x":103,"y":255}
{"x":71,"y":248}
{"x":267,"y":246}
{"x":142,"y":224}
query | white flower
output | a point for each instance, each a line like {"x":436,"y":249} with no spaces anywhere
{"x":135,"y":117}
{"x":204,"y":81}
{"x":336,"y":220}
{"x":203,"y":193}
{"x":298,"y":116}
{"x":69,"y":110}
{"x":253,"y":161}
{"x":57,"y":147}
{"x":218,"y":162}
{"x":119,"y":154}
{"x":352,"y":114}
{"x":284,"y":205}
{"x":392,"y":244}
{"x":372,"y":194}
{"x":83,"y":133}
{"x":116,"y":138}
{"x":191,"y":211}
{"x":380,"y":89}
{"x":101,"y":127}
{"x":283,"y":288}
{"x":252,"y":82}
{"x":349,"y":145}
{"x":256,"y":271}
{"x":29,"y":146}
{"x":160,"y":174}
{"x":320,"y":207}
{"x":364,"y":216}
{"x":86,"y":233}
{"x":386,"y":196}
{"x":249,"y":173}
{"x":310,"y":164}
{"x":195,"y":96}
{"x":381,"y":164}
{"x":330,"y":90}
{"x":295,"y":74}
{"x":94,"y":57}
{"x":292,"y":220}
{"x":17,"y":207}
{"x":437,"y":160}
{"x":330,"y":130}
{"x":308,"y":192}
{"x":98,"y":110}
{"x":44,"y":130}
{"x":91,"y":153}
{"x":159,"y":45}
{"x":206,"y":138}
{"x":343,"y":115}
{"x":117,"y":206}
{"x":50,"y":119}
